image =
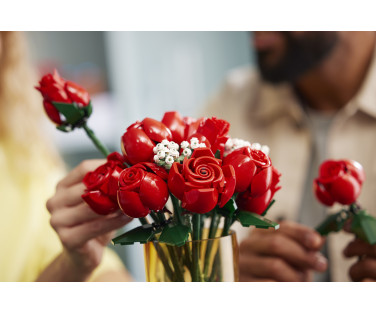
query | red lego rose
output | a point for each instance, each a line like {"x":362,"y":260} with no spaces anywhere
{"x":256,"y":179}
{"x":102,"y":184}
{"x":140,"y":138}
{"x":214,"y":133}
{"x":339,"y":181}
{"x":142,"y":188}
{"x":55,"y":89}
{"x":201,"y":182}
{"x":181,"y":127}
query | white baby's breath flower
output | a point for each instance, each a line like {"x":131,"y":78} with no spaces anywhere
{"x":156,"y":159}
{"x":159,"y":147}
{"x":202,"y":145}
{"x":165,"y":142}
{"x":187,"y":152}
{"x":184,"y":144}
{"x":161,"y":154}
{"x":265,"y":149}
{"x":195,"y":145}
{"x":173,"y":145}
{"x":229,"y":143}
{"x":194,"y":140}
{"x":256,"y":146}
{"x":169,"y":160}
{"x":155,"y":149}
{"x":174,"y":153}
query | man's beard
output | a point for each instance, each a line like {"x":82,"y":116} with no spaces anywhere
{"x":301,"y":55}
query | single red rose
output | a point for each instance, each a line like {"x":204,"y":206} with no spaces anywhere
{"x":256,"y":178}
{"x":102,"y":184}
{"x":182,"y":128}
{"x":142,"y":188}
{"x":175,"y":124}
{"x":339,"y":181}
{"x":140,"y":138}
{"x":257,"y":202}
{"x":215,"y":132}
{"x":55,"y":89}
{"x":201,"y":182}
{"x":191,"y":125}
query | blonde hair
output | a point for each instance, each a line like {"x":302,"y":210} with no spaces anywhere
{"x":21,"y":110}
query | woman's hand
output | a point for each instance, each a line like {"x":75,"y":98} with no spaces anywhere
{"x":83,"y":233}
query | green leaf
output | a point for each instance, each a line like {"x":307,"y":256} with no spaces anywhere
{"x":252,"y":219}
{"x":333,"y":223}
{"x":176,"y":235}
{"x":217,"y":154}
{"x":141,"y":234}
{"x":71,"y":112}
{"x":364,"y":226}
{"x":228,"y":209}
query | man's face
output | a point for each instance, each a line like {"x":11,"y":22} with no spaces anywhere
{"x":286,"y":56}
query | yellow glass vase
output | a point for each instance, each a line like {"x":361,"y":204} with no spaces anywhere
{"x":205,"y":260}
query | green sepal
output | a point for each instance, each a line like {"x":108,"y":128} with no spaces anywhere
{"x":141,"y":234}
{"x":269,"y":206}
{"x":333,"y":223}
{"x":364,"y":226}
{"x":228,"y":209}
{"x":71,"y":112}
{"x":87,"y":109}
{"x":217,"y":154}
{"x":176,"y":235}
{"x":64,"y":128}
{"x":252,"y":219}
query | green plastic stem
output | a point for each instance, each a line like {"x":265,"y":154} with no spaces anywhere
{"x":96,"y":141}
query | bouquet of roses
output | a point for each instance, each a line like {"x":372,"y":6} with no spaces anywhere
{"x":211,"y":180}
{"x":341,"y":181}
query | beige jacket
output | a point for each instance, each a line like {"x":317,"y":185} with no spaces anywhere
{"x":271,"y":115}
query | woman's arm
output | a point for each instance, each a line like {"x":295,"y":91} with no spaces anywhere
{"x":83,"y":233}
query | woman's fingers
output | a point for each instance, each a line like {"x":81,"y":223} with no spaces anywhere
{"x":74,"y":237}
{"x":73,"y":216}
{"x":77,"y":174}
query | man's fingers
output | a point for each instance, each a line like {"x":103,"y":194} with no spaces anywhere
{"x":268,"y":268}
{"x":77,"y":174}
{"x":250,"y":278}
{"x":279,"y":245}
{"x":304,"y":235}
{"x":359,"y":247}
{"x":74,"y":237}
{"x":364,"y":269}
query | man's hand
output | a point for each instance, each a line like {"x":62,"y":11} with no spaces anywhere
{"x":287,"y":254}
{"x":365,"y":268}
{"x":83,"y":233}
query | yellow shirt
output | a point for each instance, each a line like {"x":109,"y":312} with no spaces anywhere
{"x":27,"y":241}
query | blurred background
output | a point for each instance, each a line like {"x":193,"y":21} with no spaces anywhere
{"x":132,"y":75}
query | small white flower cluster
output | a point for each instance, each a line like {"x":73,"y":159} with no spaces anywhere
{"x":168,"y":152}
{"x":233,"y":144}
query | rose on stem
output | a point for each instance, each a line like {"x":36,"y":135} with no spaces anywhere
{"x":68,"y":105}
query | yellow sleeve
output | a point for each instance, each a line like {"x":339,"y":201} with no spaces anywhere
{"x":110,"y":263}
{"x":50,"y":247}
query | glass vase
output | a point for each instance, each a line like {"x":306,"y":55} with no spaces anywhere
{"x":205,"y":260}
